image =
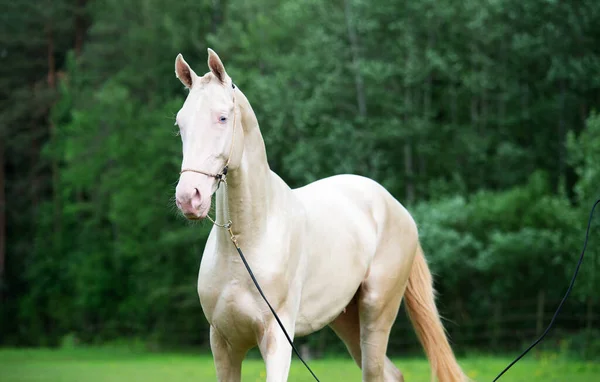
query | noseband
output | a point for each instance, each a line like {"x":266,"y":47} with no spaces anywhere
{"x":222,"y":175}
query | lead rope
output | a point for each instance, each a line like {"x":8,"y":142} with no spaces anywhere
{"x":587,"y":233}
{"x":228,"y":227}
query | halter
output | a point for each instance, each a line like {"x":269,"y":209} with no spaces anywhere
{"x":221,"y":176}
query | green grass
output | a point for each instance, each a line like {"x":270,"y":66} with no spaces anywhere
{"x":116,"y":365}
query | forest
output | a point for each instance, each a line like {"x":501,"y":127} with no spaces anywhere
{"x":481,"y":117}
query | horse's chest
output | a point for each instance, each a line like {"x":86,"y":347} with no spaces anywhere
{"x":230,"y":308}
{"x":222,"y":297}
{"x":230,"y":300}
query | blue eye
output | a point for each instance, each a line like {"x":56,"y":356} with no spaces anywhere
{"x":223,"y":119}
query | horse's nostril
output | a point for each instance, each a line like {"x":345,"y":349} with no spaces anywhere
{"x":196,"y":199}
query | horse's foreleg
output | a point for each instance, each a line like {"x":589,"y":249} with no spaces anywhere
{"x":276,"y":350}
{"x":228,"y":361}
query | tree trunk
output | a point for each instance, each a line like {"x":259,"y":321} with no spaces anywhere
{"x":408,"y":172}
{"x":408,"y":156}
{"x":56,"y":223}
{"x":410,"y":102}
{"x":216,"y":15}
{"x":428,"y":98}
{"x":358,"y":80}
{"x":525,"y":102}
{"x":79,"y":26}
{"x":562,"y":168}
{"x":454,"y":105}
{"x":484,"y":113}
{"x":428,"y":117}
{"x":458,"y":161}
{"x":583,"y":112}
{"x":473,"y":109}
{"x":476,"y":165}
{"x":2,"y":218}
{"x":51,"y":60}
{"x":422,"y":171}
{"x":503,"y":86}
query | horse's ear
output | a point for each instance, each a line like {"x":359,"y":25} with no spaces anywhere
{"x":183,"y":71}
{"x":216,"y":66}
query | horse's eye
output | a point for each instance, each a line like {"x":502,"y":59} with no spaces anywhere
{"x":223,"y":119}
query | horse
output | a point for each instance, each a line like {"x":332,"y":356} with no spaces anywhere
{"x":339,"y":252}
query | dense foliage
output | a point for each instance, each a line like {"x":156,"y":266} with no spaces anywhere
{"x":477,"y":115}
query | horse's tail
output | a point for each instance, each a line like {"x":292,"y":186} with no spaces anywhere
{"x":423,"y":313}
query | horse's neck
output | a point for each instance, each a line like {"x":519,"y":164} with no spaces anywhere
{"x":252,"y":188}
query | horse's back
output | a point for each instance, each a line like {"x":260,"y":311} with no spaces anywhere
{"x":351,"y":193}
{"x":353,"y":205}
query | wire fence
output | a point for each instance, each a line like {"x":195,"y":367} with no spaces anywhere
{"x":491,"y":327}
{"x":509,"y":328}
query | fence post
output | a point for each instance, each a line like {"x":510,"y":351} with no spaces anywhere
{"x":589,"y":325}
{"x":539,"y":320}
{"x":496,"y":322}
{"x":541,"y":303}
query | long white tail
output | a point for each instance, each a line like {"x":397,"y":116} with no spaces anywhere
{"x":423,"y":313}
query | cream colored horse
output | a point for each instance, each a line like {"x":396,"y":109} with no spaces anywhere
{"x":340,"y":251}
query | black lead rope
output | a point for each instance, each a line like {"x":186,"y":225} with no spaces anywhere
{"x":273,"y":311}
{"x":505,"y":369}
{"x":562,"y":301}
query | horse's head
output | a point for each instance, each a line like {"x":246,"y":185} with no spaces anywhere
{"x":211,"y":140}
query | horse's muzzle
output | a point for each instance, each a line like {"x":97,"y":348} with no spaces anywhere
{"x":189,"y":204}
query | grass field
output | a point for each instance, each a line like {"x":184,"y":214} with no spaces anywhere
{"x":118,"y":365}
